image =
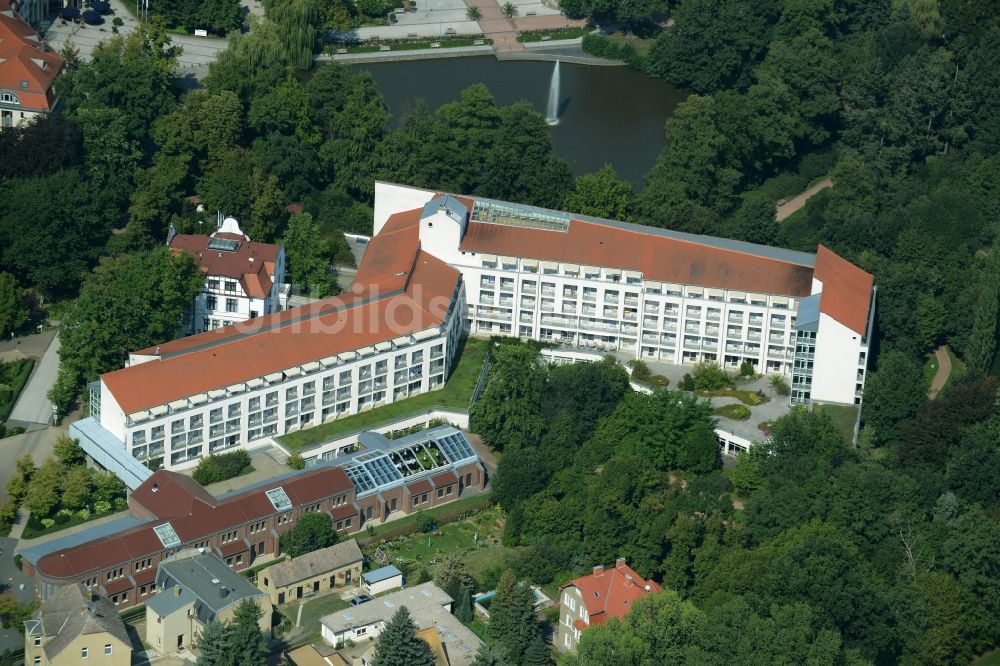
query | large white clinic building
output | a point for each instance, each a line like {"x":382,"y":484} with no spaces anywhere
{"x":439,"y":266}
{"x":655,"y":294}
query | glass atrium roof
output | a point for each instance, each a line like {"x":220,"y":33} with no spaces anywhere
{"x":279,"y":498}
{"x":515,"y":215}
{"x":168,"y":537}
{"x":456,"y":448}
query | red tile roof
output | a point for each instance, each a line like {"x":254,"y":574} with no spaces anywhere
{"x":238,"y":546}
{"x":657,"y":257}
{"x":612,"y":592}
{"x":193,"y":513}
{"x":419,"y":487}
{"x":252,"y":263}
{"x":341,"y":512}
{"x":116,"y":586}
{"x":27,"y":66}
{"x":265,"y":345}
{"x":444,"y":479}
{"x":847,"y":290}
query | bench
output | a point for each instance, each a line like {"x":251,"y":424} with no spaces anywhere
{"x":412,"y":35}
{"x":546,"y":38}
{"x":450,"y":31}
{"x":435,"y":45}
{"x":399,"y":10}
{"x":531,"y":12}
{"x":341,"y":51}
{"x":478,"y":42}
{"x":383,"y":48}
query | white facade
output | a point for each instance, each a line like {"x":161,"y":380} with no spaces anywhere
{"x":614,"y":309}
{"x":224,"y":302}
{"x":246,"y":415}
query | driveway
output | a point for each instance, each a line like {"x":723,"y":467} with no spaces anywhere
{"x":33,"y":405}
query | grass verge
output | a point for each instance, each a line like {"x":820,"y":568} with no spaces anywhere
{"x":312,"y":611}
{"x":442,"y":514}
{"x":555,"y":35}
{"x":456,"y":394}
{"x":843,"y":417}
{"x":13,"y":377}
{"x":416,"y":45}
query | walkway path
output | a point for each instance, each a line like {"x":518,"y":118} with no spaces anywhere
{"x":943,"y":371}
{"x":496,"y":26}
{"x":794,"y":204}
{"x":33,"y":404}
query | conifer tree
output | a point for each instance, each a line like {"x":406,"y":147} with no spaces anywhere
{"x":213,"y":644}
{"x":464,"y":610}
{"x":399,"y":645}
{"x":245,"y":636}
{"x":538,"y":653}
{"x":512,"y":616}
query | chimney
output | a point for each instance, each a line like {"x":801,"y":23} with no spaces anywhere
{"x":177,"y":590}
{"x":225,"y":591}
{"x":620,"y":562}
{"x":599,"y":570}
{"x":155,"y":488}
{"x":648,"y":587}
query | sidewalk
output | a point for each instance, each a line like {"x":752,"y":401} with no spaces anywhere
{"x":33,"y":404}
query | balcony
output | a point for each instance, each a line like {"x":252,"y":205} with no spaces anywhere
{"x":548,"y":306}
{"x":712,"y":330}
{"x":734,"y":333}
{"x":776,"y":337}
{"x":691,"y":313}
{"x":589,"y":310}
{"x":569,"y":309}
{"x":493,"y":313}
{"x":529,"y":289}
{"x":713,"y":316}
{"x":692,"y":328}
{"x":506,"y":285}
{"x":670,"y":326}
{"x":650,"y":309}
{"x":753,"y":335}
{"x":508,"y":302}
{"x":548,"y":291}
{"x":569,"y":293}
{"x":777,"y":323}
{"x":590,"y":297}
{"x":526,"y":319}
{"x":630,"y":330}
{"x":630,"y":315}
{"x":734,"y":349}
{"x":631,"y":300}
{"x":650,"y":323}
{"x":487,"y":283}
{"x":735,"y":318}
{"x":692,"y":344}
{"x":756,"y":321}
{"x":651,"y":338}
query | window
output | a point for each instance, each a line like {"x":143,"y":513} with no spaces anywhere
{"x":107,"y":648}
{"x":38,"y":661}
{"x":230,"y":305}
{"x":83,"y":653}
{"x":212,"y":302}
{"x":213,"y":283}
{"x":38,"y":641}
{"x":230,"y":286}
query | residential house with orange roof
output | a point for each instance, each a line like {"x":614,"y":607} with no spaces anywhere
{"x":592,"y":600}
{"x":27,"y":69}
{"x":243,"y":278}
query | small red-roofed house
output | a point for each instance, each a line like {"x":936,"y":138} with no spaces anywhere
{"x":592,"y":600}
{"x":27,"y":69}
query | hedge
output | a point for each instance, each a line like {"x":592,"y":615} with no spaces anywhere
{"x":222,"y":467}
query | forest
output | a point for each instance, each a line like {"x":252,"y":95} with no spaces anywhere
{"x":810,"y":550}
{"x":885,"y":552}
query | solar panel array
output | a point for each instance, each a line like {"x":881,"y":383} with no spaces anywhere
{"x":168,"y":537}
{"x":279,"y":498}
{"x":456,"y":447}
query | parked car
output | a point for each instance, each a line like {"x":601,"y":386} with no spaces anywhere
{"x":361,"y":599}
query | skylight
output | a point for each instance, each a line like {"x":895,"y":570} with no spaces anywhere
{"x":279,"y":499}
{"x":456,"y":447}
{"x":518,"y":216}
{"x":224,"y":244}
{"x":168,"y":537}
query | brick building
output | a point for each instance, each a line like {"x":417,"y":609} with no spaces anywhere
{"x":170,"y":512}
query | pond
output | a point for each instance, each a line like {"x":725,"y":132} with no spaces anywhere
{"x":612,"y":115}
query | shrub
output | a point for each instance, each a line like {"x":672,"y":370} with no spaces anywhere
{"x":217,"y":468}
{"x":296,"y":461}
{"x":747,"y":369}
{"x":735,"y":412}
{"x":779,"y":385}
{"x":117,"y":21}
{"x":640,"y":371}
{"x":120,"y":504}
{"x":83,"y":514}
{"x":102,"y":506}
{"x":708,"y":376}
{"x":48,"y":522}
{"x":424,"y":522}
{"x":687,"y":384}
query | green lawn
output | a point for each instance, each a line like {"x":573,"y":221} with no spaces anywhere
{"x":930,"y":368}
{"x":843,"y":417}
{"x":751,"y":398}
{"x":988,"y":659}
{"x":312,"y":611}
{"x":456,"y":394}
{"x":736,"y":412}
{"x":444,"y":513}
{"x":419,"y":551}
